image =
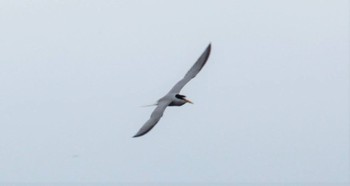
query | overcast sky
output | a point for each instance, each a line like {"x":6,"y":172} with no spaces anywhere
{"x":271,"y":104}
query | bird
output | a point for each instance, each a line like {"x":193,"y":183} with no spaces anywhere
{"x":173,"y":97}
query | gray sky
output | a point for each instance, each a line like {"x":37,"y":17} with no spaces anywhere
{"x":271,"y":105}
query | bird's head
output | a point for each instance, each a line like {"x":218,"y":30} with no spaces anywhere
{"x":182,"y":97}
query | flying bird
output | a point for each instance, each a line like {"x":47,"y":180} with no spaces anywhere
{"x":173,"y":97}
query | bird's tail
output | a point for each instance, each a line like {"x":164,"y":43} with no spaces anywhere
{"x":155,"y":104}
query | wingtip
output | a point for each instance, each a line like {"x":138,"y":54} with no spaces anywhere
{"x":209,"y":47}
{"x":208,"y":50}
{"x":138,"y":134}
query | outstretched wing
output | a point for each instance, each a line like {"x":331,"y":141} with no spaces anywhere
{"x":153,"y":120}
{"x":193,"y":71}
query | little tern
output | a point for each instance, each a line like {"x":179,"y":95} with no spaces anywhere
{"x":173,"y":97}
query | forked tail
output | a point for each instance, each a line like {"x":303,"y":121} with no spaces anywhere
{"x":155,"y":104}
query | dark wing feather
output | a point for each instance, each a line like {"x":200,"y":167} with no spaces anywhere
{"x":193,"y":71}
{"x":153,"y":120}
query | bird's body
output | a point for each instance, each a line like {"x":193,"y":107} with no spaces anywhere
{"x":176,"y":99}
{"x":173,"y":98}
{"x":177,"y":102}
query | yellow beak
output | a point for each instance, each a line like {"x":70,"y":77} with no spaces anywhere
{"x":188,"y":101}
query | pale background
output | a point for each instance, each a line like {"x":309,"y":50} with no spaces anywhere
{"x":271,"y":105}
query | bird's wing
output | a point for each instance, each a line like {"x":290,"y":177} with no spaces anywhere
{"x":155,"y":117}
{"x":193,"y":71}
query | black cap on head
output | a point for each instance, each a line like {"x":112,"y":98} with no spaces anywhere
{"x":179,"y":96}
